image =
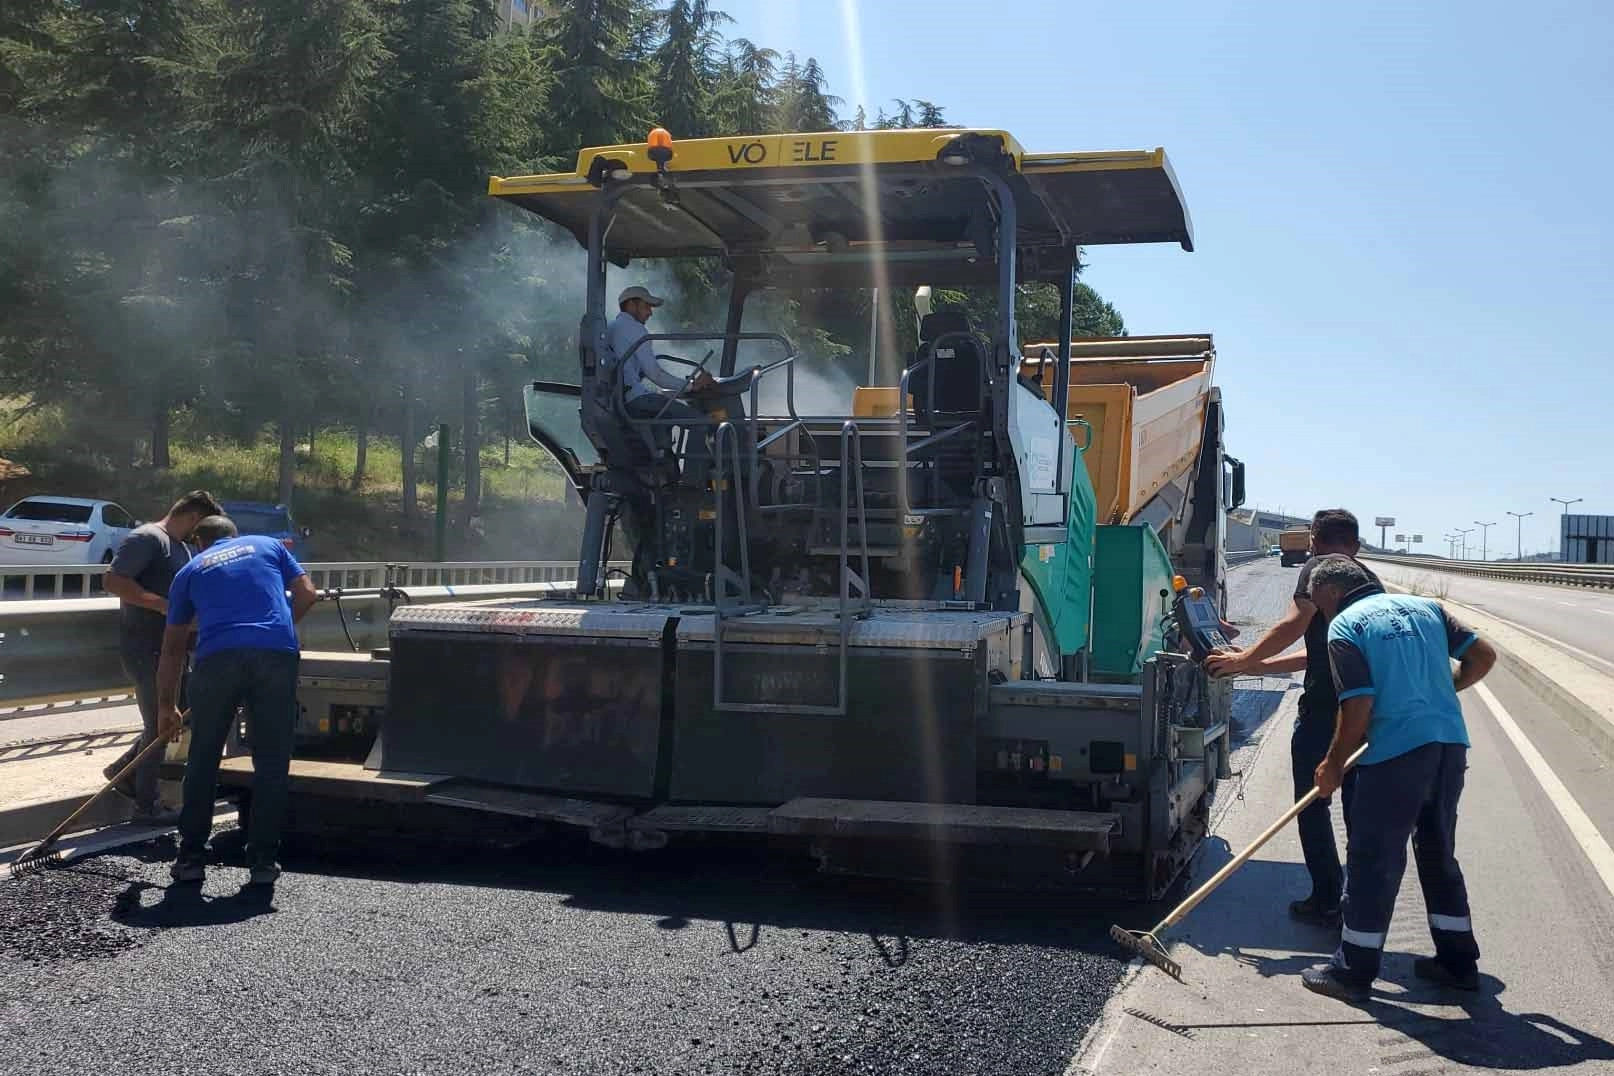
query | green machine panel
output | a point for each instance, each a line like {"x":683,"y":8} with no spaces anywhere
{"x":1131,"y":591}
{"x":1061,"y":574}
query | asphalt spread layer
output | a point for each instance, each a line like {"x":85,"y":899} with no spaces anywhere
{"x":552,"y":959}
{"x":558,"y":957}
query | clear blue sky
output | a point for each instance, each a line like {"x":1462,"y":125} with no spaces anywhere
{"x":1402,"y":211}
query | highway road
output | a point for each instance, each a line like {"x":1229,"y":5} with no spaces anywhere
{"x":1582,"y":618}
{"x":565,"y":958}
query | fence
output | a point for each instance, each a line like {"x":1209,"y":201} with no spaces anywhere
{"x":64,"y":649}
{"x":1573,"y":575}
{"x":29,"y":583}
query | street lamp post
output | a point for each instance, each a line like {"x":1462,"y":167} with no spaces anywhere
{"x":1485,"y":533}
{"x":1462,"y":537}
{"x":1518,"y":549}
{"x":1566,"y":504}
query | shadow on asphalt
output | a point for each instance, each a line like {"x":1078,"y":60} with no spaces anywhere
{"x":1253,"y":707}
{"x":750,"y":894}
{"x":1488,"y":1035}
{"x":186,"y":905}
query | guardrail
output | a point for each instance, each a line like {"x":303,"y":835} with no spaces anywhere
{"x":1572,"y":575}
{"x":61,"y":649}
{"x":1243,"y":556}
{"x":25,"y":582}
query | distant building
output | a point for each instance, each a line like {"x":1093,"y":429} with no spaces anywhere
{"x":520,"y":12}
{"x":1586,"y":539}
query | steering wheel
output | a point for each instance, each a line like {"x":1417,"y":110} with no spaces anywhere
{"x":700,"y":368}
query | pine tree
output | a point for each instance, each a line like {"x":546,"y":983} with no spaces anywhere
{"x":686,"y":68}
{"x":746,"y":98}
{"x":601,"y":95}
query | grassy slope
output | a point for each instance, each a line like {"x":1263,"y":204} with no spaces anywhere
{"x":525,"y":513}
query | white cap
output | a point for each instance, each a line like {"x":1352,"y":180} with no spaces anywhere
{"x":636,"y":292}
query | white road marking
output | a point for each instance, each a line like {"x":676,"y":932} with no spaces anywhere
{"x":1589,"y":658}
{"x":1580,"y":826}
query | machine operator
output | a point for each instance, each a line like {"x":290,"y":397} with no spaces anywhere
{"x":647,"y":385}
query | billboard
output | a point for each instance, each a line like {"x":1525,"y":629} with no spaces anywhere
{"x":1384,"y":521}
{"x":1417,"y":539}
{"x":1401,"y":538}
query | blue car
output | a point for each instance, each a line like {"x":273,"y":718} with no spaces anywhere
{"x":271,"y":520}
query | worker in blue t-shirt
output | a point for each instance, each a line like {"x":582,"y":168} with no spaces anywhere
{"x":1392,"y":656}
{"x":235,"y":589}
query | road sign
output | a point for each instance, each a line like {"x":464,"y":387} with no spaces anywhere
{"x":1384,"y":521}
{"x":1400,"y":537}
{"x":1417,"y":539}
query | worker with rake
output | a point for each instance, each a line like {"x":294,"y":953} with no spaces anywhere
{"x":1391,"y":656}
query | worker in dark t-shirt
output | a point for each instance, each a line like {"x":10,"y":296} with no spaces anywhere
{"x":139,"y":576}
{"x":1333,"y":530}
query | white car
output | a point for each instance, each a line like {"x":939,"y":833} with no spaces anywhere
{"x":38,"y":531}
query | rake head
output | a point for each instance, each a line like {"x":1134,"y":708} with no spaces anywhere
{"x":1144,"y":944}
{"x":35,"y":861}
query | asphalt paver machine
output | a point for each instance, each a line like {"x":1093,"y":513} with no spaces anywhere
{"x":946,"y":634}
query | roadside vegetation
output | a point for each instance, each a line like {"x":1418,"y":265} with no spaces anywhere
{"x":248,"y":246}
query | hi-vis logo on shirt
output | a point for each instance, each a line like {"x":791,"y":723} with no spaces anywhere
{"x":224,"y":556}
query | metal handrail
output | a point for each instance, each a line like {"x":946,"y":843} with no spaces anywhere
{"x":1581,"y":575}
{"x":854,"y":600}
{"x":722,"y":575}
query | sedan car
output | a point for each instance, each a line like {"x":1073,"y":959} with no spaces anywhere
{"x":62,"y":530}
{"x":271,"y":520}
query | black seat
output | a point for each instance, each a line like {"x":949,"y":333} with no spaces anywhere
{"x":957,"y":362}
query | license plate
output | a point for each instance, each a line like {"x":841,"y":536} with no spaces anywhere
{"x":35,"y":539}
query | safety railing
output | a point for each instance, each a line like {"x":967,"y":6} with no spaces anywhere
{"x":31,"y":582}
{"x":1571,"y":575}
{"x":1243,"y":556}
{"x":58,"y":650}
{"x":855,"y":599}
{"x":908,"y":451}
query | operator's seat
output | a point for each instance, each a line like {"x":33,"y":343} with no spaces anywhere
{"x":956,"y":368}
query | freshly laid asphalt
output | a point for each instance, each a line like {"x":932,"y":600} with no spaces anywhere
{"x":553,"y":958}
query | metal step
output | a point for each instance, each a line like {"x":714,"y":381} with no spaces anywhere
{"x":699,"y":818}
{"x":950,"y":823}
{"x":500,"y":800}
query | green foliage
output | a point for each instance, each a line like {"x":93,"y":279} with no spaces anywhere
{"x":228,"y":224}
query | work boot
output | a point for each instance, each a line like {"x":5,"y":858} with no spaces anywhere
{"x":188,"y":869}
{"x":1430,"y":968}
{"x":1331,"y":982}
{"x":154,"y":814}
{"x":125,"y":787}
{"x":1310,"y":911}
{"x":264,"y":875}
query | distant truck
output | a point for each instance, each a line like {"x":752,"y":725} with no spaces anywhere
{"x":1294,"y":546}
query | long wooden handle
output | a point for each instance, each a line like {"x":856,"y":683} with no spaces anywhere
{"x":159,"y":742}
{"x":1239,"y":860}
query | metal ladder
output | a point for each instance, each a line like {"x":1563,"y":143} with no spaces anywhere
{"x":855,"y":600}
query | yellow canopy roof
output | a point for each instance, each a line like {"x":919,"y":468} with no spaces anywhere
{"x":856,"y":195}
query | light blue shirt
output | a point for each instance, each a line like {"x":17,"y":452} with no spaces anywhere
{"x":1398,"y":649}
{"x":623,"y":332}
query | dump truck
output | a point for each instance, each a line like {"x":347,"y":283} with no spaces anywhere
{"x":1294,"y":546}
{"x":946,"y":632}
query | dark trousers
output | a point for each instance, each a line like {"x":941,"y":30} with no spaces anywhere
{"x":1412,"y":795}
{"x":265,"y":681}
{"x":696,"y":424}
{"x":1307,"y":747}
{"x":140,"y":658}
